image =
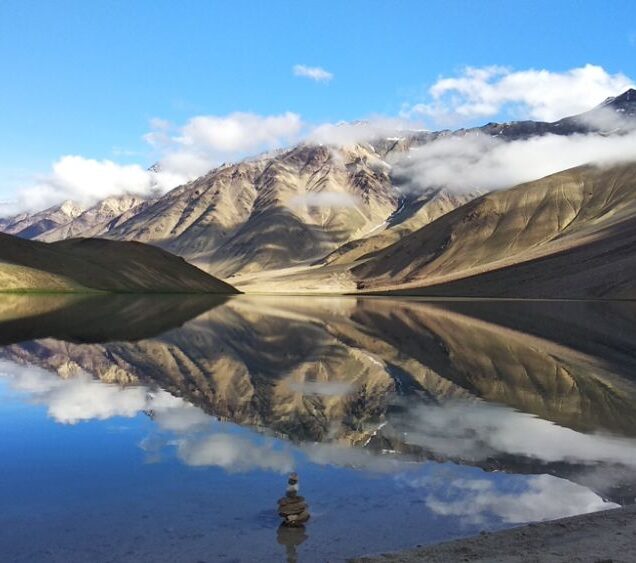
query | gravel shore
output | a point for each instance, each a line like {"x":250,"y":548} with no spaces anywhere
{"x":601,"y":537}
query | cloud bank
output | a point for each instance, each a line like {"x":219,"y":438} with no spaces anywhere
{"x":81,"y":398}
{"x":189,"y":150}
{"x":206,"y":141}
{"x":477,"y":431}
{"x":481,"y":92}
{"x":322,"y":388}
{"x":480,"y":162}
{"x":544,"y":497}
{"x":183,"y":154}
{"x":73,"y":400}
{"x":84,"y":180}
{"x":349,"y":133}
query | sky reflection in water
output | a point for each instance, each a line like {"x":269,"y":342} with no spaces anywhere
{"x":409,"y":423}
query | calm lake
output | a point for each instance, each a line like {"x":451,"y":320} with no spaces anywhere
{"x":163,"y":428}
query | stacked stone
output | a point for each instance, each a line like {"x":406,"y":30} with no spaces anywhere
{"x":292,"y":507}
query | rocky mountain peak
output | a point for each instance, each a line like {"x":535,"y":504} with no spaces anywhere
{"x":71,"y":209}
{"x":627,"y":96}
{"x":118,"y":204}
{"x":624,"y":104}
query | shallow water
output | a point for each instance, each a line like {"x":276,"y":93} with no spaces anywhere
{"x":162,"y":428}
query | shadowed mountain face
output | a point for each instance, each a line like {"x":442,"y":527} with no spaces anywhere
{"x":567,"y":235}
{"x":486,"y":384}
{"x":95,"y":264}
{"x":415,"y":211}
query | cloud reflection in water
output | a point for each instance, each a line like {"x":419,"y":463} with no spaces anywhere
{"x":456,"y":430}
{"x":477,"y":499}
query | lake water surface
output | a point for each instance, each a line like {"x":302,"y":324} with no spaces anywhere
{"x":163,"y":428}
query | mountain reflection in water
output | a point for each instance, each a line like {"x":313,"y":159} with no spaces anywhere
{"x":440,"y":417}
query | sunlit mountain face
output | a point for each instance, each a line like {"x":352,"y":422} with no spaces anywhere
{"x":151,"y":428}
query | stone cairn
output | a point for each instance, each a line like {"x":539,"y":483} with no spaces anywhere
{"x":292,"y":507}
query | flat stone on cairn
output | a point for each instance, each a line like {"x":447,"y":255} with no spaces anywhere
{"x":292,"y":507}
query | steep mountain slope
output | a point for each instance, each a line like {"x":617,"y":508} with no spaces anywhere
{"x":582,"y":219}
{"x":95,"y":264}
{"x":95,"y":219}
{"x":270,"y":212}
{"x":29,"y":226}
{"x":415,"y":211}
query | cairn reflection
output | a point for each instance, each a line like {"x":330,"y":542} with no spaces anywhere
{"x":294,"y":511}
{"x":291,"y":538}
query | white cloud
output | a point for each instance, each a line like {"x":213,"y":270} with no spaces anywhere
{"x":476,"y":431}
{"x":323,"y":388}
{"x":239,"y":132}
{"x":535,"y":94}
{"x":82,"y":398}
{"x":233,"y":453}
{"x":323,"y":199}
{"x":350,"y":133}
{"x":176,"y":415}
{"x":159,"y":134}
{"x":313,"y":72}
{"x":544,"y":498}
{"x":180,"y":166}
{"x":84,"y":180}
{"x":347,"y":456}
{"x":205,"y":141}
{"x":76,"y":399}
{"x":480,"y":162}
{"x":183,"y":154}
{"x":186,"y":152}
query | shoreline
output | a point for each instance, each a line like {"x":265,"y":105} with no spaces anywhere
{"x":599,"y":537}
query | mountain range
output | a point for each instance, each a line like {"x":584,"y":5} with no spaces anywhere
{"x":349,"y":218}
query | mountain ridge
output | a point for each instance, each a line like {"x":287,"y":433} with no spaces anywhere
{"x":586,"y":207}
{"x":79,"y":265}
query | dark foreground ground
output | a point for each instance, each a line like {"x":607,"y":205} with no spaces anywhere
{"x":602,"y":537}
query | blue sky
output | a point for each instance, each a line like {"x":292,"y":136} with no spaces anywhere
{"x":86,"y":78}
